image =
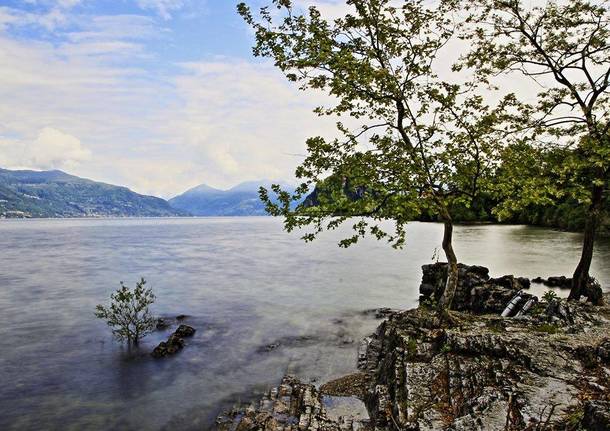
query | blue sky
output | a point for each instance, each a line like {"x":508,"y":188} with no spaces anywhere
{"x":158,"y":95}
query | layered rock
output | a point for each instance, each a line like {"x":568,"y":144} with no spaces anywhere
{"x":296,"y":406}
{"x":490,"y":373}
{"x":476,"y":292}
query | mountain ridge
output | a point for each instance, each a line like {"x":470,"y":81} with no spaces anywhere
{"x":27,"y":193}
{"x":57,"y":194}
{"x":239,"y":200}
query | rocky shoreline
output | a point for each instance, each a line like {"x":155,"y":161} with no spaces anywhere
{"x":541,"y":367}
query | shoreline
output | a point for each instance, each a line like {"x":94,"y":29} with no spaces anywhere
{"x":549,"y":368}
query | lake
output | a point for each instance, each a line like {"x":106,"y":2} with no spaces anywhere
{"x":245,"y":285}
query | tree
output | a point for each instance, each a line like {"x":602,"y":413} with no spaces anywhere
{"x":565,"y":48}
{"x":422,"y":144}
{"x":128,"y":314}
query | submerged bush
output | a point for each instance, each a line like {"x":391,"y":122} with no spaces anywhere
{"x":128,"y":313}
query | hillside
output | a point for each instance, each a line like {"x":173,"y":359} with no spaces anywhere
{"x":241,"y":200}
{"x":57,"y":194}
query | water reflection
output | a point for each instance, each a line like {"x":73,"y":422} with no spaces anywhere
{"x":245,"y":284}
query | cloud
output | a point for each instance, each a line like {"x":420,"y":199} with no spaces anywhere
{"x":164,"y":8}
{"x":51,"y":149}
{"x":330,"y":9}
{"x":67,"y":4}
{"x":242,"y":121}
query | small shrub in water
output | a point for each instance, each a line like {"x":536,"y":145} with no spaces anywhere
{"x":128,"y":313}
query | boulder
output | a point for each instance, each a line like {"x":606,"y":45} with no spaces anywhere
{"x":170,"y":347}
{"x":174,"y":343}
{"x":476,"y":291}
{"x":185,"y":331}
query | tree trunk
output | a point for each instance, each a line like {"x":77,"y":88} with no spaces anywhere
{"x":581,"y":277}
{"x":452,"y":266}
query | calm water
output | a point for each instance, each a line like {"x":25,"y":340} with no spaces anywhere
{"x":243,"y":282}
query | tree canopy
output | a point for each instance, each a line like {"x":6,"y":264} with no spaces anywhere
{"x":422,"y":143}
{"x":564,"y":49}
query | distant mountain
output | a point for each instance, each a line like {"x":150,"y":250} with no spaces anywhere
{"x":57,"y":194}
{"x":241,"y":200}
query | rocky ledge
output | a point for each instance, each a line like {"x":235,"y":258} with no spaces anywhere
{"x":545,"y":368}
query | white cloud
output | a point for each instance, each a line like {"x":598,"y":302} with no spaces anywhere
{"x":164,"y":8}
{"x":241,"y":121}
{"x":67,"y":4}
{"x":329,"y":9}
{"x":51,"y":149}
{"x":156,"y":130}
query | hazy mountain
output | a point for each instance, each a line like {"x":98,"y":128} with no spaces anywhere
{"x":241,"y":200}
{"x":57,"y":194}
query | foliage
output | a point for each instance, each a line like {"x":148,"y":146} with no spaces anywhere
{"x":128,"y":314}
{"x":423,"y":146}
{"x":428,"y":303}
{"x":549,"y":296}
{"x":565,"y":48}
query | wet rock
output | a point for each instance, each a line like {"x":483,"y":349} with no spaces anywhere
{"x":162,"y":324}
{"x":170,"y":347}
{"x":174,"y":343}
{"x":295,"y":341}
{"x":181,"y":317}
{"x":269,"y":347}
{"x":185,"y":331}
{"x":160,"y":351}
{"x":379,"y":313}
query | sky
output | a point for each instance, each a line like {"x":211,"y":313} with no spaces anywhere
{"x":156,"y":95}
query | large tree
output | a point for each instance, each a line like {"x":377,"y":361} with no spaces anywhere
{"x":421,"y":144}
{"x":564,"y":48}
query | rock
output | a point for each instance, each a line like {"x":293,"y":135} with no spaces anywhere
{"x":592,"y":291}
{"x":185,"y":331}
{"x":596,"y":416}
{"x":603,"y":351}
{"x":379,"y":313}
{"x":296,"y":406}
{"x":488,"y":373}
{"x":162,"y":324}
{"x":181,"y":317}
{"x":269,"y":347}
{"x":160,"y":351}
{"x":476,"y":291}
{"x":174,"y":343}
{"x":352,"y":385}
{"x":170,"y":347}
{"x":561,"y":282}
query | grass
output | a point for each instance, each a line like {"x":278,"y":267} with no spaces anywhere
{"x":546,"y":328}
